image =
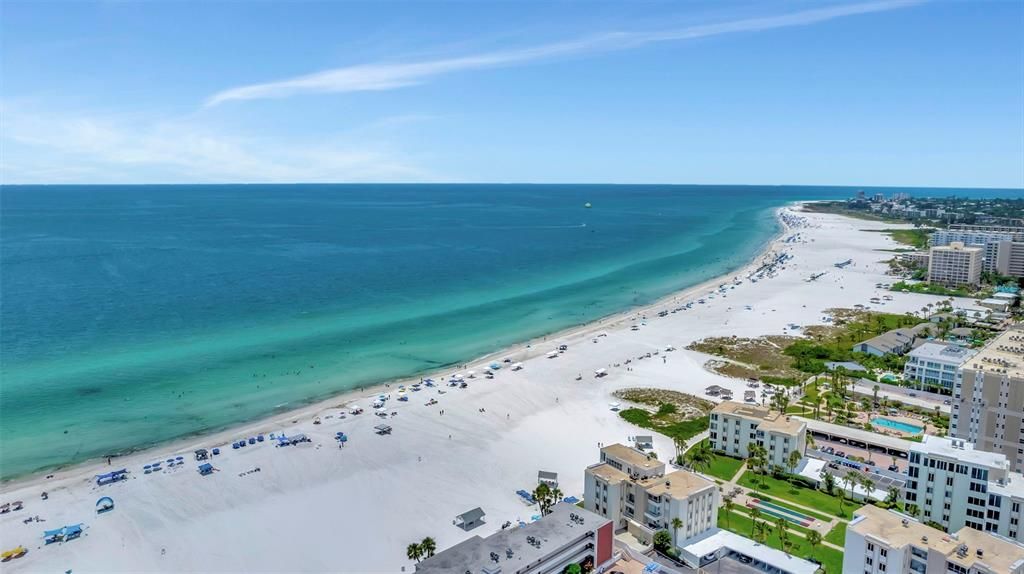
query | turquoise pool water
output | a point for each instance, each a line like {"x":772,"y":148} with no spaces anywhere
{"x":897,"y":425}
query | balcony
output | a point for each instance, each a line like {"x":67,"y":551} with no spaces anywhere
{"x":653,"y":513}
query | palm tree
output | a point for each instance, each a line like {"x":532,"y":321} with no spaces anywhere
{"x":542,"y":494}
{"x":792,"y":462}
{"x":867,"y":483}
{"x":875,"y":390}
{"x":700,"y":457}
{"x":676,"y":525}
{"x":728,"y":504}
{"x":782,"y":525}
{"x":849,"y":481}
{"x":413,"y":552}
{"x":814,"y":539}
{"x":762,"y":530}
{"x":755,"y":513}
{"x":428,"y":547}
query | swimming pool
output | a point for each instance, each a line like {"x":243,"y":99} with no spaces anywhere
{"x":897,"y":425}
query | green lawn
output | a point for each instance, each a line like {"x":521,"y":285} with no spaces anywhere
{"x":683,"y":430}
{"x":837,"y":535}
{"x":802,"y":495}
{"x":832,"y":560}
{"x":723,"y":467}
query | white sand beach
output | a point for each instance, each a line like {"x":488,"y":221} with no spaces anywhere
{"x":317,"y":507}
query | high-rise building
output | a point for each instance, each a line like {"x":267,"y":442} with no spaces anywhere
{"x":735,"y":426}
{"x":1010,"y":258}
{"x":988,"y":399}
{"x":631,"y":489}
{"x":886,"y":542}
{"x":955,"y":265}
{"x":952,"y":484}
{"x":990,"y":241}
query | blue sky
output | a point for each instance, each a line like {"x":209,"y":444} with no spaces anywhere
{"x":844,"y":93}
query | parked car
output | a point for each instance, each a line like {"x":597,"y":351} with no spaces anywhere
{"x":840,"y":454}
{"x":893,"y":468}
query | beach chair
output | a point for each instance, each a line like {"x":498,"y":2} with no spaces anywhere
{"x":13,"y":553}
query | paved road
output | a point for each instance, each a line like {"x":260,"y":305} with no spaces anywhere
{"x":890,"y":392}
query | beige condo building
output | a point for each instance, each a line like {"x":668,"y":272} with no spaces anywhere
{"x":988,"y":399}
{"x":630,"y":488}
{"x":735,"y":426}
{"x":955,"y":264}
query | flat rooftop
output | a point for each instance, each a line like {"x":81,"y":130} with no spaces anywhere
{"x":943,"y":352}
{"x":553,"y":531}
{"x":716,"y":539}
{"x":631,"y":456}
{"x":767,"y":419}
{"x":678,"y":484}
{"x":998,"y":554}
{"x":887,"y":526}
{"x":861,"y":435}
{"x":608,"y":473}
{"x":1005,"y":352}
{"x":952,"y":449}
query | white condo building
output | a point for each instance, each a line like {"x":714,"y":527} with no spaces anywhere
{"x":935,"y":365}
{"x":988,"y":399}
{"x":886,"y":542}
{"x":954,"y":485}
{"x":630,"y":488}
{"x":955,"y":264}
{"x":735,"y":426}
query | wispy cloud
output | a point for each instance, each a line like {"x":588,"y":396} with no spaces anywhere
{"x":95,"y":148}
{"x":387,"y":76}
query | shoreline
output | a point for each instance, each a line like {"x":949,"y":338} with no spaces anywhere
{"x":308,"y":410}
{"x":452,"y":449}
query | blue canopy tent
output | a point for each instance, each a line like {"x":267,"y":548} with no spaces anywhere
{"x":64,"y":534}
{"x":205,"y":469}
{"x":104,"y":504}
{"x":111,"y":477}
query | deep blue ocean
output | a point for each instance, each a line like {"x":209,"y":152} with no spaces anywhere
{"x":131,"y":315}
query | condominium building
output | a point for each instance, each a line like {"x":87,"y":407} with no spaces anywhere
{"x":886,"y":542}
{"x":735,"y":426}
{"x":1010,"y":258}
{"x":955,"y":264}
{"x":918,"y":259}
{"x":641,"y":498}
{"x":569,"y":535}
{"x":989,"y":240}
{"x":935,"y":365}
{"x":988,"y":399}
{"x":955,"y":485}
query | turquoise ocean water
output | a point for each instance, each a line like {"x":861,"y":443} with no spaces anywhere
{"x":133,"y":315}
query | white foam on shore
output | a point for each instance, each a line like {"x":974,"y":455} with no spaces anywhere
{"x":316,"y":507}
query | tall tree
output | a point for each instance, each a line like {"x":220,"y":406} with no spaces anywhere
{"x":755,"y":513}
{"x":428,"y":547}
{"x":413,"y":552}
{"x":814,"y":539}
{"x":676,"y":525}
{"x":792,"y":462}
